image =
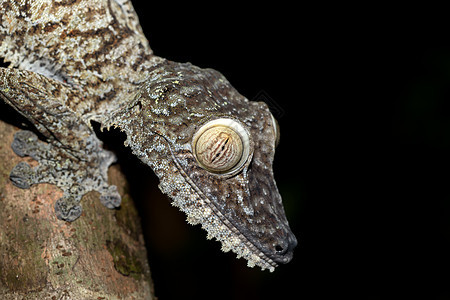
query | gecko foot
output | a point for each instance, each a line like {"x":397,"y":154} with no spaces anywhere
{"x":68,"y":208}
{"x":71,"y":157}
{"x":76,"y":171}
{"x":25,"y":143}
{"x":110,"y":197}
{"x":22,"y":175}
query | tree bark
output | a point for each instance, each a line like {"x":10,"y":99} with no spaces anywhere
{"x":101,"y":255}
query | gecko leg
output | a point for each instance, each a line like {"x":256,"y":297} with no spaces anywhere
{"x":73,"y":159}
{"x":72,"y":175}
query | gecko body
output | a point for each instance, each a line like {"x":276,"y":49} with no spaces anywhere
{"x":73,"y":62}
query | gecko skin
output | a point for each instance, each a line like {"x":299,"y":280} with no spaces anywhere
{"x":77,"y":61}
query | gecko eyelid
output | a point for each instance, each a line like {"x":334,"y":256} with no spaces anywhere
{"x":276,"y":128}
{"x":222,"y":146}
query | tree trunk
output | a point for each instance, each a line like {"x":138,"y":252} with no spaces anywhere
{"x":101,"y":255}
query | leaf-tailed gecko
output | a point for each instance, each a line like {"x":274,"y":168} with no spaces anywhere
{"x":77,"y":61}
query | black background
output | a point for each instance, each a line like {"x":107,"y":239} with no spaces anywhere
{"x":363,"y":161}
{"x":362,"y":99}
{"x":362,"y":164}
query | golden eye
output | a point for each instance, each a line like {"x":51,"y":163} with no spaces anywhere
{"x":221,"y":146}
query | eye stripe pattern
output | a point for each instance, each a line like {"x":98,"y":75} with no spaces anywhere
{"x":222,"y":146}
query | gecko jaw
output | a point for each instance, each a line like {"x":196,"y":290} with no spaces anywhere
{"x":217,"y":226}
{"x":200,"y":210}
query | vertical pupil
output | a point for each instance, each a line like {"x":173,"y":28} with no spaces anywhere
{"x":219,"y":149}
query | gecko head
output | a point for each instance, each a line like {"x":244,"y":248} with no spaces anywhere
{"x":213,"y":151}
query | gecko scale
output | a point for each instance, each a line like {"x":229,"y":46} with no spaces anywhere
{"x":77,"y":61}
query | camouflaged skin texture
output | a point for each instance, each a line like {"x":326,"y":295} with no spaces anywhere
{"x":73,"y":160}
{"x":76,"y":61}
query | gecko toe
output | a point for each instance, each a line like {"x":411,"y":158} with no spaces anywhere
{"x":111,"y":197}
{"x":22,"y":175}
{"x":67,"y":209}
{"x":24,"y":142}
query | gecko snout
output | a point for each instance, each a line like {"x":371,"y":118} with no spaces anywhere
{"x":283,"y":251}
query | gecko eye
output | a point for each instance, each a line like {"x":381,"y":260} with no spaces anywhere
{"x":221,"y":146}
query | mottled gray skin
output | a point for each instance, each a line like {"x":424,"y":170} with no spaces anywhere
{"x":78,"y":61}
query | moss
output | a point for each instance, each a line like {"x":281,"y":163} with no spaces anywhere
{"x":125,"y":262}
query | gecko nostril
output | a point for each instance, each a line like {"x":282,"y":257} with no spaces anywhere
{"x":283,"y":250}
{"x":279,"y":249}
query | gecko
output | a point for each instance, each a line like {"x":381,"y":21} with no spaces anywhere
{"x":75,"y":62}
